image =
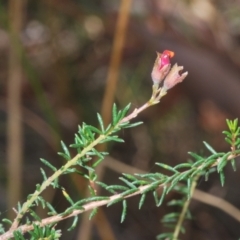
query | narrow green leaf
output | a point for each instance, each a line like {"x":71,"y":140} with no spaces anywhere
{"x":114,"y":114}
{"x":151,"y":187}
{"x":237,"y":131}
{"x":222,"y":178}
{"x":117,"y":187}
{"x":125,"y":110}
{"x":209,"y":147}
{"x":108,"y":128}
{"x":142,"y":199}
{"x":165,"y":166}
{"x":100,"y":121}
{"x":184,"y":175}
{"x":76,"y":145}
{"x":51,"y":208}
{"x":115,"y":138}
{"x":235,"y":124}
{"x":65,"y":149}
{"x":74,"y":224}
{"x":165,"y":236}
{"x":43,"y":174}
{"x":198,"y":163}
{"x":97,"y":198}
{"x":124,"y":211}
{"x":90,"y":169}
{"x":19,"y":207}
{"x":42,"y":201}
{"x":127,"y":182}
{"x":18,"y":235}
{"x":183,"y":165}
{"x":229,"y":141}
{"x":92,"y":176}
{"x":132,"y":125}
{"x":170,"y":217}
{"x":105,"y":186}
{"x":151,"y":176}
{"x":97,"y":162}
{"x":48,"y":164}
{"x":182,"y":230}
{"x":155,"y":195}
{"x":189,"y":185}
{"x":65,"y":194}
{"x":162,"y":196}
{"x":95,"y":130}
{"x":89,"y":135}
{"x":175,"y":203}
{"x":35,"y":216}
{"x":237,"y":141}
{"x":196,"y":156}
{"x":65,"y":156}
{"x":188,"y":215}
{"x":108,"y":139}
{"x":228,"y":134}
{"x":222,"y":163}
{"x":129,"y":176}
{"x":229,"y":123}
{"x":233,"y":165}
{"x":207,"y":165}
{"x":93,"y":213}
{"x":92,"y":190}
{"x":78,"y":140}
{"x":38,"y":186}
{"x":72,"y":170}
{"x":8,"y":221}
{"x":170,"y":188}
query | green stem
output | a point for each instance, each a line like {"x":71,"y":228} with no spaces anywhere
{"x":184,"y":210}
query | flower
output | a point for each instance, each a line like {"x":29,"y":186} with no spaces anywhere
{"x":161,"y":66}
{"x":174,"y":77}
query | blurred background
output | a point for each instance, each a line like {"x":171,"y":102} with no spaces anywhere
{"x":63,"y":61}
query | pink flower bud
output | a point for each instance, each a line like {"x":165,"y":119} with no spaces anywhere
{"x":174,"y":77}
{"x":161,"y":66}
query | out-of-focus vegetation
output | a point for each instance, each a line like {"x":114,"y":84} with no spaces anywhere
{"x":65,"y":48}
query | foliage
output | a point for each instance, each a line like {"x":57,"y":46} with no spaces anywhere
{"x":181,"y":178}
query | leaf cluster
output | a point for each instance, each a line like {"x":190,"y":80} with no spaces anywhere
{"x":86,"y":160}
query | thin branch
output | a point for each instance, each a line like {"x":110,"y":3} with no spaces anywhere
{"x":184,"y":210}
{"x":89,"y":206}
{"x":197,"y":195}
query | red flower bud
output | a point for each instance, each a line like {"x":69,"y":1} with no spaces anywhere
{"x":174,"y":77}
{"x":165,"y":58}
{"x":161,"y":66}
